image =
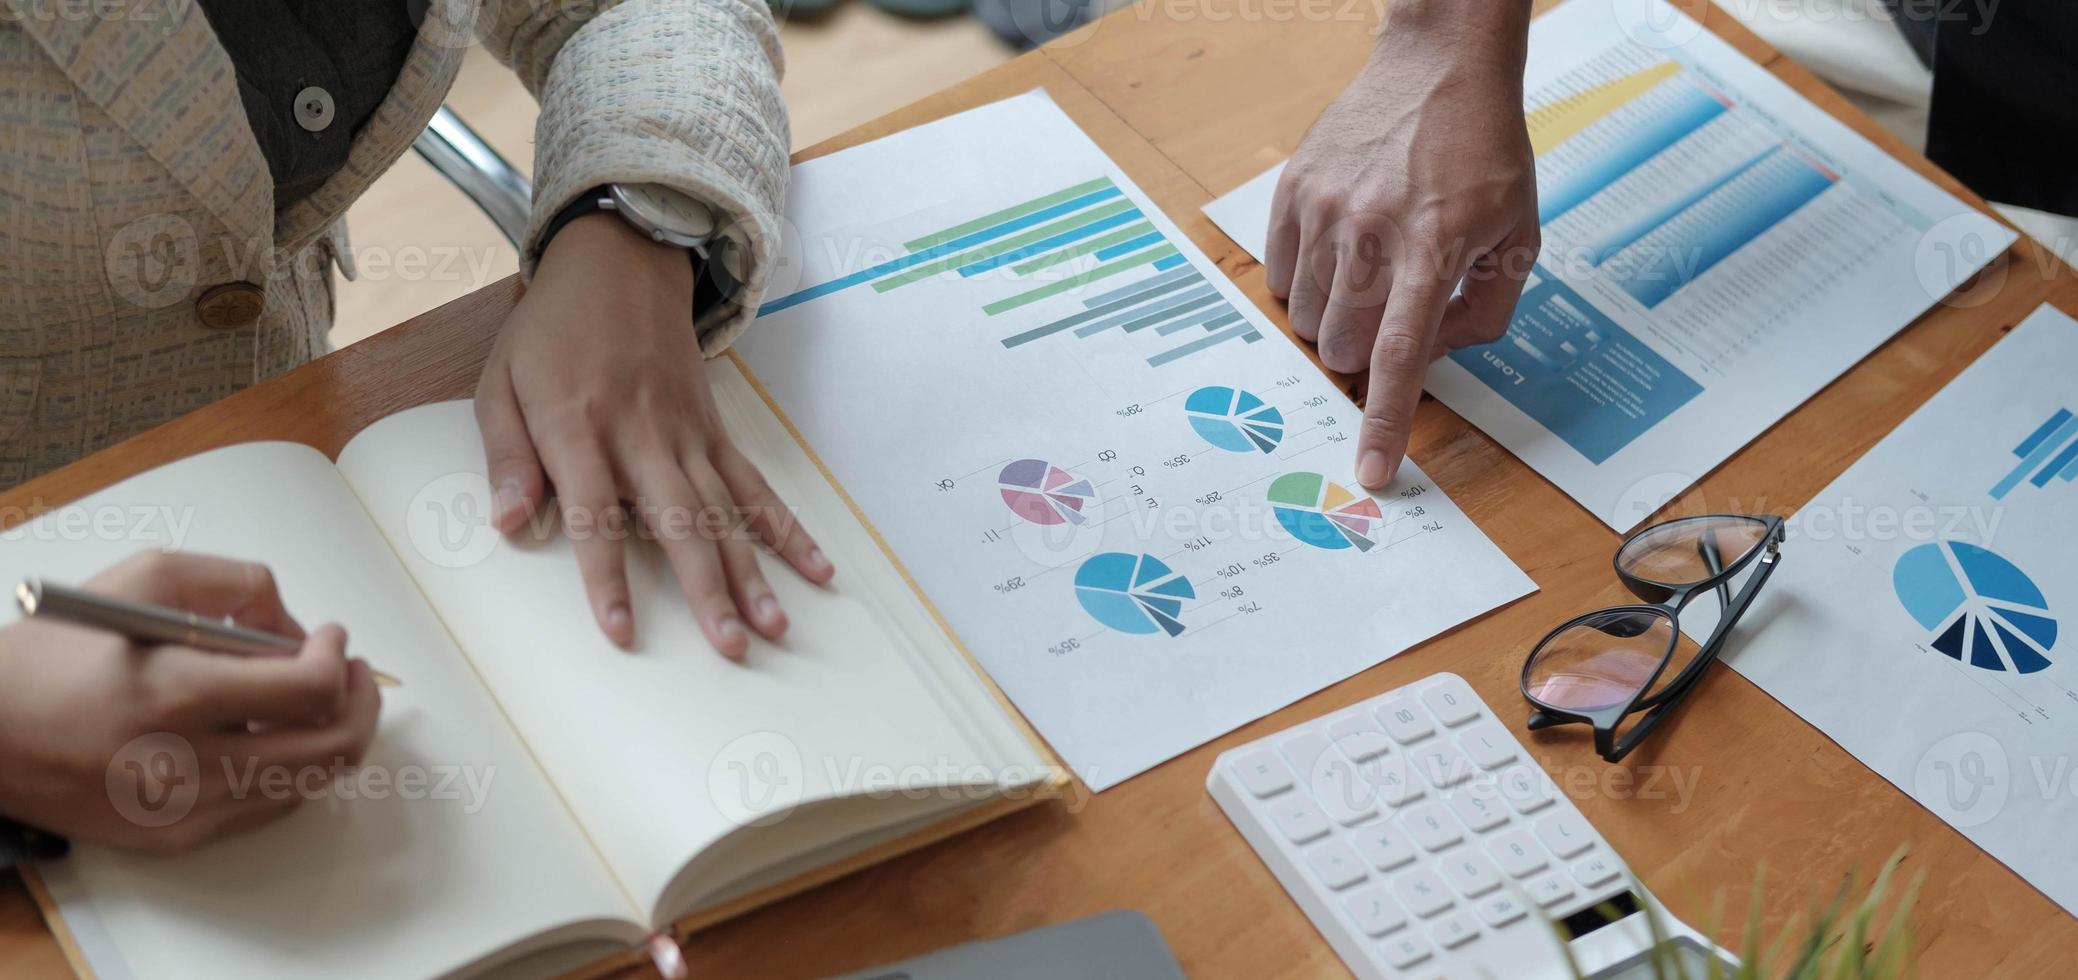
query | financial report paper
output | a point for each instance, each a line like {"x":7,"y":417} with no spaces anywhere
{"x":1716,"y":250}
{"x":1130,"y":496}
{"x":1921,"y":613}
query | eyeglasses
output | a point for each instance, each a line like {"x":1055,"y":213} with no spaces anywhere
{"x":1600,"y":668}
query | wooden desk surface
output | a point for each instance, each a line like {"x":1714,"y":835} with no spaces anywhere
{"x":1191,"y":103}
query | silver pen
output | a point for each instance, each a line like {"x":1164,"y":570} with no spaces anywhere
{"x":156,"y":624}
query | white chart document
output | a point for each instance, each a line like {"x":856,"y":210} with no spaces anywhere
{"x":1922,"y":614}
{"x":1716,"y":249}
{"x":1131,"y":496}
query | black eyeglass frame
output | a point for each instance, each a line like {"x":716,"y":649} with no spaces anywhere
{"x":1666,"y":600}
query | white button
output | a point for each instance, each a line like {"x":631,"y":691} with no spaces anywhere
{"x":1374,"y":912}
{"x":1358,"y":737}
{"x":1404,"y":950}
{"x":1488,"y":745}
{"x":1499,"y":910}
{"x":1453,"y":702}
{"x":1303,"y":749}
{"x":1432,"y":826}
{"x":1262,"y":774}
{"x":1335,"y":863}
{"x":314,"y":109}
{"x":1548,"y":890}
{"x":1383,"y":844}
{"x":1594,"y":869}
{"x":1469,"y":872}
{"x":1453,"y":930}
{"x":1479,"y":807}
{"x":1525,"y":789}
{"x":1392,"y":779}
{"x":1347,"y":798}
{"x":1444,"y":765}
{"x":1422,"y":892}
{"x":1297,"y":818}
{"x":1404,"y":720}
{"x":1565,"y":834}
{"x":1517,"y":853}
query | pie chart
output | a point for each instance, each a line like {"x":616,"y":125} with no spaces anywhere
{"x":1323,"y":513}
{"x":1234,"y":420}
{"x":1133,"y":593}
{"x":1979,"y":608}
{"x":1043,"y":493}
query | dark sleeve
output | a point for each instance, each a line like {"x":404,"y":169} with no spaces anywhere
{"x":2005,"y":110}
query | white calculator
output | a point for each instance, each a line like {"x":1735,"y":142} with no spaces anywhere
{"x":1423,"y":841}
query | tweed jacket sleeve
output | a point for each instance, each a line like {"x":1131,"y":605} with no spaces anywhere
{"x":683,"y":93}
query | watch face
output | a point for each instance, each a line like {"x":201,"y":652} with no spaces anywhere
{"x":676,"y":214}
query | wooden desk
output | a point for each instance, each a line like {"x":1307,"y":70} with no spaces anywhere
{"x":1191,"y":105}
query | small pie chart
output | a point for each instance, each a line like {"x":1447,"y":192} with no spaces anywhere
{"x":1977,"y":607}
{"x":1043,"y":493}
{"x":1323,"y":513}
{"x":1234,"y":420}
{"x":1133,"y":593}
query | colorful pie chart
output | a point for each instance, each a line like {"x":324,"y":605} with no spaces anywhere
{"x":1234,"y":420}
{"x":1323,"y":513}
{"x":1133,"y":593}
{"x":1043,"y":493}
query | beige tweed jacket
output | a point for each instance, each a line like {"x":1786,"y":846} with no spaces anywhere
{"x":144,"y":270}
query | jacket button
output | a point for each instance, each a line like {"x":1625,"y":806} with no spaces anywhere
{"x":231,"y":305}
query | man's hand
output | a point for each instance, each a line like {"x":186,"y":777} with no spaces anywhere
{"x":597,"y":384}
{"x":75,"y":701}
{"x":1417,"y":177}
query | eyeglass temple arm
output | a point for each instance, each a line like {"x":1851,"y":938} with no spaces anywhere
{"x":1734,"y":609}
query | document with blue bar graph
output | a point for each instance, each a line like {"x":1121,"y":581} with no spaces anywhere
{"x":1131,"y":497}
{"x":1716,"y":250}
{"x":1923,"y":615}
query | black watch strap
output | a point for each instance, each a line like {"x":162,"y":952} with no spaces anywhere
{"x":24,"y":842}
{"x":585,"y":204}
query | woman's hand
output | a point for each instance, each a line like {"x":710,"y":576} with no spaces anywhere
{"x":597,"y":384}
{"x":160,"y":748}
{"x":1416,"y":177}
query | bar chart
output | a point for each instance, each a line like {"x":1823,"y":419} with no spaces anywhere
{"x":2049,"y":453}
{"x":1067,"y":249}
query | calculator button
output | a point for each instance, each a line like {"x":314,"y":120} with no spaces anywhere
{"x":1335,"y":785}
{"x":1488,"y":745}
{"x":1525,"y":789}
{"x":1403,"y":951}
{"x":1384,"y":845}
{"x":1303,"y":750}
{"x":1500,"y":909}
{"x":1453,"y":702}
{"x":1566,"y":834}
{"x":1297,"y":818}
{"x":1359,"y":737}
{"x":1393,"y":780}
{"x":1517,"y":853}
{"x":1479,"y":807}
{"x":1405,"y":720}
{"x":1335,"y":863}
{"x":1548,"y":890}
{"x":1595,"y":869}
{"x":1452,"y":930}
{"x":1262,"y":773}
{"x":1432,"y":826}
{"x":1373,"y":911}
{"x":1422,"y":892}
{"x":1469,"y":873}
{"x":1441,"y":763}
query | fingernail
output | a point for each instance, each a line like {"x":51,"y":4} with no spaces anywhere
{"x":768,"y":608}
{"x":620,"y":624}
{"x":730,"y":630}
{"x":817,"y":559}
{"x":508,"y":499}
{"x":1370,"y":471}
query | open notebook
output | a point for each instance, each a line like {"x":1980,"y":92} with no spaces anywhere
{"x":566,"y":799}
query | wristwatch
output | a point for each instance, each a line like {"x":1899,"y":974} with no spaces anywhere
{"x":665,"y":216}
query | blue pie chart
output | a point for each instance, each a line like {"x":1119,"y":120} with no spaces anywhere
{"x":1133,"y":593}
{"x":1977,"y":607}
{"x":1234,"y":420}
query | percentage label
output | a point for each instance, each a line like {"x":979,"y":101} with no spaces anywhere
{"x":944,"y":485}
{"x":1065,"y":646}
{"x":1127,"y":412}
{"x":1174,"y":462}
{"x":1010,"y":585}
{"x":1229,"y":571}
{"x":1210,"y":498}
{"x":1267,"y":560}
